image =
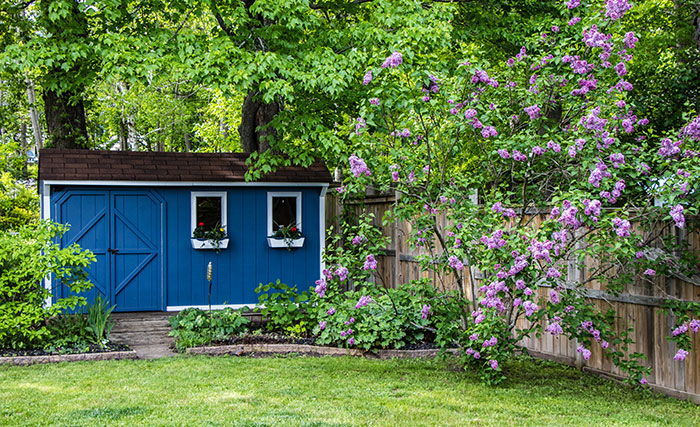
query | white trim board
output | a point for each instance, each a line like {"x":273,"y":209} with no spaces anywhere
{"x":45,"y":208}
{"x":270,"y":195}
{"x":213,"y":307}
{"x":185,"y":183}
{"x":223,"y":195}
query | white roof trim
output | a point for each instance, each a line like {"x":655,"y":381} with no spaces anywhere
{"x":185,"y":183}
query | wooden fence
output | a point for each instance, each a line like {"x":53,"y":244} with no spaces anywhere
{"x":639,"y":307}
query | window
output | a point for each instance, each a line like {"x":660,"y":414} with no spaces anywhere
{"x":283,"y":209}
{"x":208,"y":209}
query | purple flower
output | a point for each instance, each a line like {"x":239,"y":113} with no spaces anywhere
{"x":518,"y":156}
{"x":322,"y":325}
{"x":474,"y":336}
{"x":455,"y":263}
{"x":358,"y":166}
{"x":393,"y":60}
{"x":537,"y":150}
{"x":677,"y":215}
{"x":494,"y":364}
{"x":351,"y":341}
{"x":554,"y":296}
{"x":573,"y":21}
{"x":554,"y":146}
{"x":621,"y":226}
{"x":680,"y":330}
{"x":370,"y":263}
{"x":342,"y":273}
{"x":358,"y":240}
{"x":363,"y":301}
{"x":630,"y":40}
{"x":572,"y":4}
{"x":694,"y":325}
{"x":374,"y":101}
{"x":555,"y":29}
{"x":643,"y":381}
{"x":530,"y":307}
{"x":680,"y":355}
{"x":367,"y":78}
{"x":649,"y":272}
{"x":489,"y":131}
{"x":555,"y":329}
{"x":616,"y":8}
{"x":504,"y":154}
{"x":477,"y":355}
{"x":425,"y":311}
{"x":321,"y":287}
{"x":533,"y":111}
{"x":584,"y":351}
{"x":331,"y":311}
{"x":350,"y":321}
{"x":553,"y":273}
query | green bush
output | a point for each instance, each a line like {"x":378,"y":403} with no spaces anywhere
{"x":19,"y":205}
{"x":68,"y":331}
{"x":194,"y":327}
{"x":284,"y":309}
{"x":26,"y":257}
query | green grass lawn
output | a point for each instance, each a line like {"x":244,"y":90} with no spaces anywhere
{"x":325,"y":391}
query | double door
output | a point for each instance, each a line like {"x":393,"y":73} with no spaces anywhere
{"x":124,"y":229}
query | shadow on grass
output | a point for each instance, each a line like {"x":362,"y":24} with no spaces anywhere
{"x":106,"y":413}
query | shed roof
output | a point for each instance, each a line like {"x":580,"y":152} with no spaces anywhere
{"x":99,"y":165}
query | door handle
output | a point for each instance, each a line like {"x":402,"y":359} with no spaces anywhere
{"x":113,"y":251}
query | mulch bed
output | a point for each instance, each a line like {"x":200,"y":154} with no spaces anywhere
{"x":270,"y":345}
{"x":92,"y":348}
{"x":270,"y":338}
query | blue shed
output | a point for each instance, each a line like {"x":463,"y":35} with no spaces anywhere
{"x":137,"y":211}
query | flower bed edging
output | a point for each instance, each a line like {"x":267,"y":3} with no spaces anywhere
{"x":57,"y":358}
{"x":242,"y":349}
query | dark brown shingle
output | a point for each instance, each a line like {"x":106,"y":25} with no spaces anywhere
{"x":95,"y":165}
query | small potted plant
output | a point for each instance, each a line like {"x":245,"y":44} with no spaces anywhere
{"x":286,"y":237}
{"x":209,"y":238}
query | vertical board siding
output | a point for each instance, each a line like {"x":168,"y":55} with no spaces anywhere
{"x":248,"y":261}
{"x":148,"y":221}
{"x":651,"y":326}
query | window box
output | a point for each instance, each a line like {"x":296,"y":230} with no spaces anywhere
{"x":280,"y":243}
{"x":209,"y":244}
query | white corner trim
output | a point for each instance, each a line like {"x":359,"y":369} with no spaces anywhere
{"x":322,"y":228}
{"x":193,"y":207}
{"x":183,"y":183}
{"x":270,"y":195}
{"x":213,"y":307}
{"x":45,"y":207}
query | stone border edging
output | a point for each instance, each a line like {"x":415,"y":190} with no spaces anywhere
{"x":57,"y":358}
{"x":242,"y":349}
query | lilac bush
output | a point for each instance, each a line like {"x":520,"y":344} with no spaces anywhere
{"x":565,"y":171}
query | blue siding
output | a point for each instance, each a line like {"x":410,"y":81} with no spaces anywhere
{"x":247,"y":261}
{"x":158,"y":225}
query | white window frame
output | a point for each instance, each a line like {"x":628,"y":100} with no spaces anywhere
{"x":270,"y":195}
{"x":193,"y":207}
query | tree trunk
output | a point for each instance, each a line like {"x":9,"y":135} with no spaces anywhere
{"x":34,"y":116}
{"x":23,"y":141}
{"x":188,"y":144}
{"x":65,"y":118}
{"x":255,"y":130}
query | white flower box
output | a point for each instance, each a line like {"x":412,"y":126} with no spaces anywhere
{"x":280,"y":243}
{"x":208,"y":244}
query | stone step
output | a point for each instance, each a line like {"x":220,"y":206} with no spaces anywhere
{"x":145,"y":329}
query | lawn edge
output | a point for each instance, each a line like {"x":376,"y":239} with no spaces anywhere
{"x":244,"y":349}
{"x":58,"y":358}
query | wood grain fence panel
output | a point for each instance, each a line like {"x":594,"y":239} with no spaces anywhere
{"x":638,"y":307}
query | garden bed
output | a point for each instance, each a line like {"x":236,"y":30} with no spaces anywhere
{"x":262,"y":349}
{"x":33,"y":357}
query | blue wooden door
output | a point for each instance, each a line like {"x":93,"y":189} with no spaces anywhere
{"x":136,"y":255}
{"x":125,"y":231}
{"x":87,"y":213}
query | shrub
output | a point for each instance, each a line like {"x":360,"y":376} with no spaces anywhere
{"x":283,"y":310}
{"x":19,"y":205}
{"x":194,"y":327}
{"x":25,"y":259}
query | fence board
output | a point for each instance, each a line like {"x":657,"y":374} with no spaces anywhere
{"x":638,"y":307}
